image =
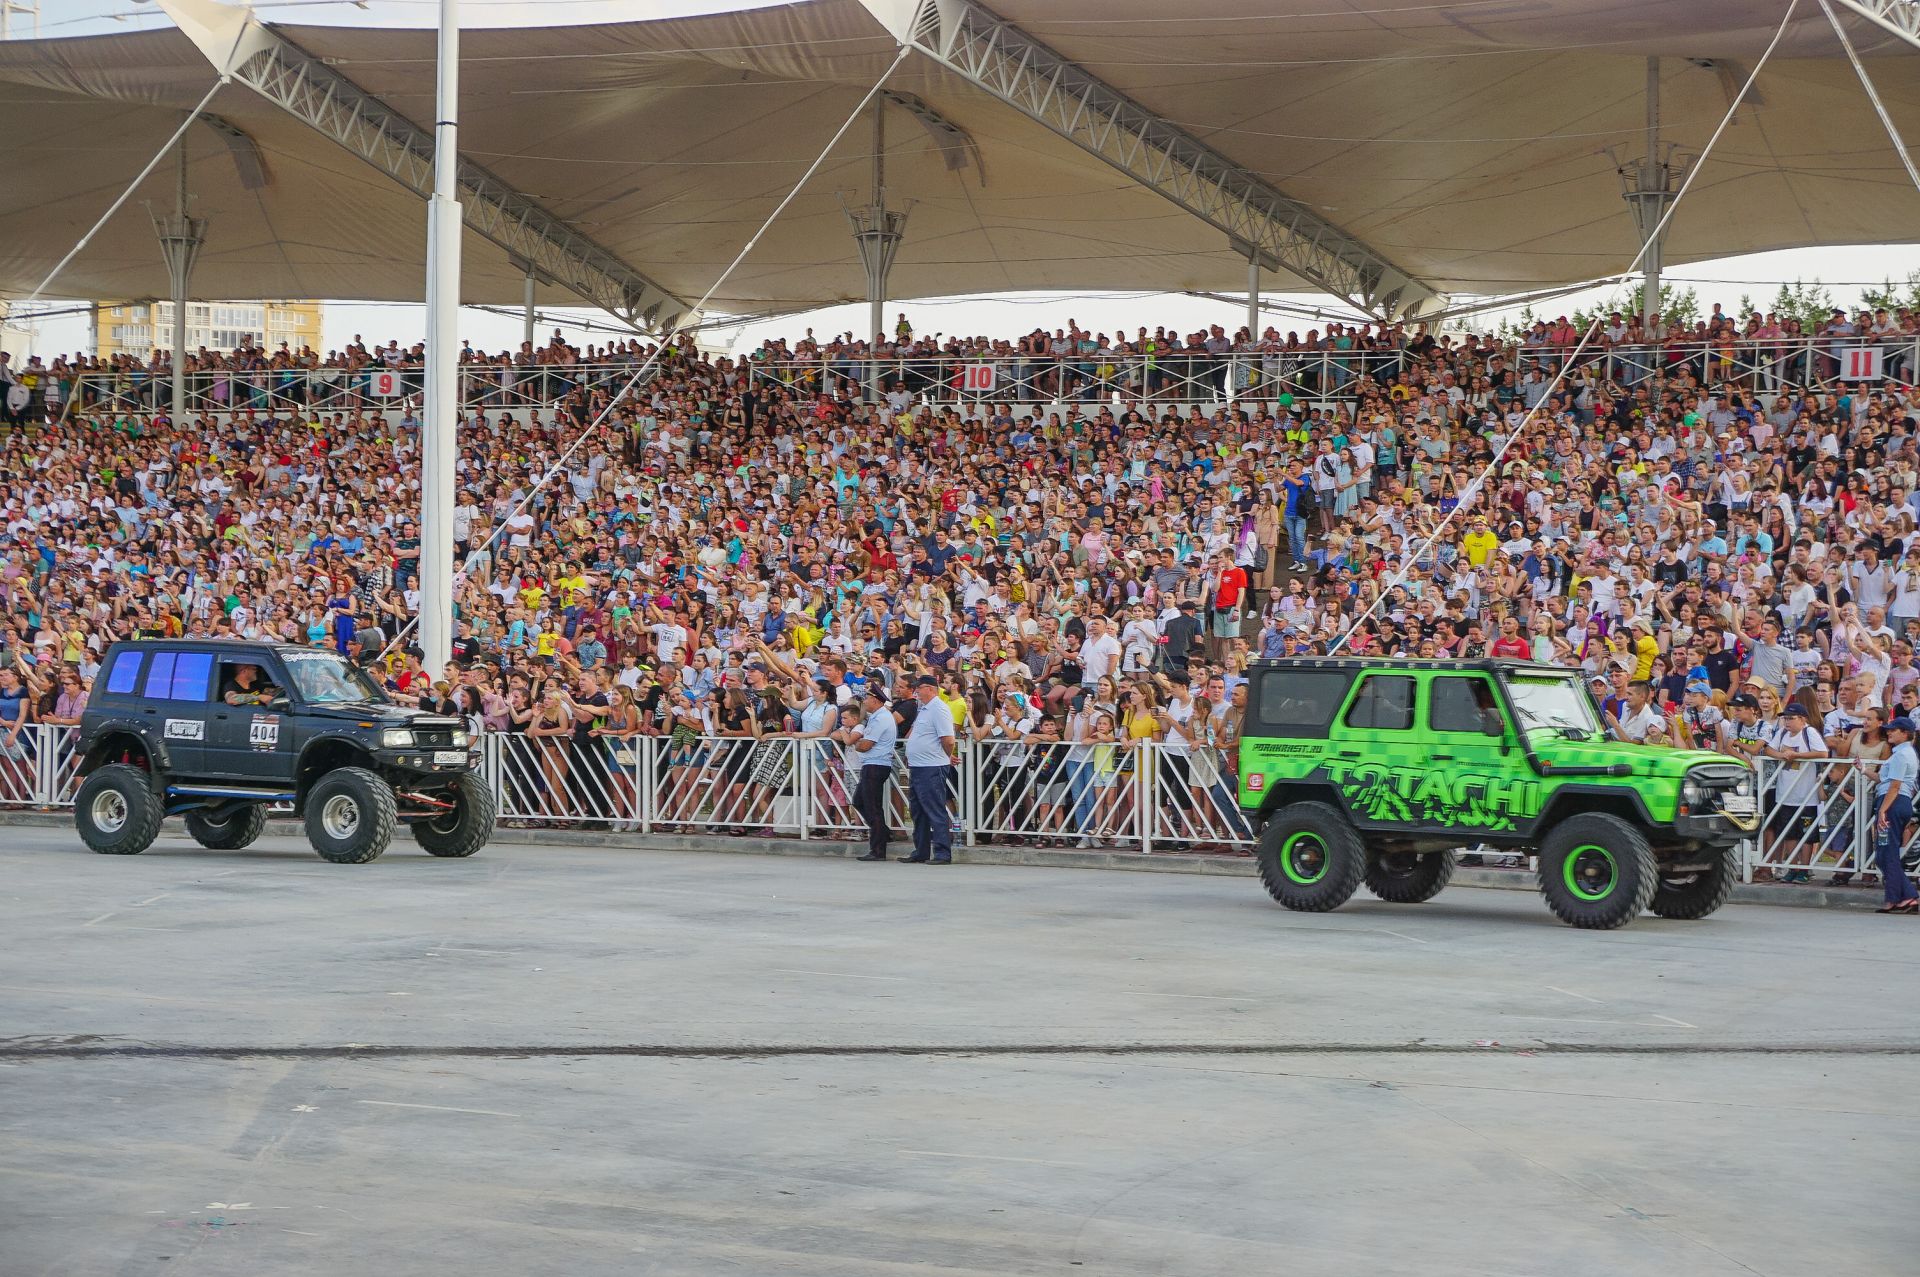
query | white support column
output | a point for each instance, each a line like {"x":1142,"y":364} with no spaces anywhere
{"x":1253,"y":297}
{"x":181,"y":238}
{"x":1650,"y":268}
{"x":1649,"y":187}
{"x":440,"y":420}
{"x":877,"y":232}
{"x":526,"y":324}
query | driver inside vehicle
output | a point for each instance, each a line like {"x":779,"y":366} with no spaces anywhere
{"x":247,"y":685}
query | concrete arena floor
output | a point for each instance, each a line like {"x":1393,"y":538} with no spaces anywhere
{"x":1337,"y":1144}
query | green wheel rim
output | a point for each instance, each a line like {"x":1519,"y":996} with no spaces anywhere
{"x":1303,"y":858}
{"x":1590,"y":872}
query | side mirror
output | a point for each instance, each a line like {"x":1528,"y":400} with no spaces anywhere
{"x":279,"y":702}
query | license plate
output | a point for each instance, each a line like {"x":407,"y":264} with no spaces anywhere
{"x":442,"y":756}
{"x":1735,"y":805}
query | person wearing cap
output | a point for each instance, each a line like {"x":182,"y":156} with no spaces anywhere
{"x":1743,"y":735}
{"x":1701,"y":722}
{"x":1893,"y":808}
{"x":870,"y":747}
{"x":1796,"y":786}
{"x":930,"y":746}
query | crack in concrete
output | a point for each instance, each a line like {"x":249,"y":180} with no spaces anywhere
{"x":25,"y":1049}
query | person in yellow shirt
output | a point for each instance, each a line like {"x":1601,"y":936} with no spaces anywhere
{"x":1643,"y":647}
{"x":1479,"y":543}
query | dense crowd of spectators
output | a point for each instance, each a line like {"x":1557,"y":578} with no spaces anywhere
{"x":738,"y":554}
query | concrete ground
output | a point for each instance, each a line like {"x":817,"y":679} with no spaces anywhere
{"x":585,"y":1060}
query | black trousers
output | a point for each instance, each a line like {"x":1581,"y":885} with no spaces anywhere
{"x":870,"y":800}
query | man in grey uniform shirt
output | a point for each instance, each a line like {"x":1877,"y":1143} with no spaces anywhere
{"x":872,"y":743}
{"x":929,"y":756}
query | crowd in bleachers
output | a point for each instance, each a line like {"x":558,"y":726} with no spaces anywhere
{"x":1091,"y":557}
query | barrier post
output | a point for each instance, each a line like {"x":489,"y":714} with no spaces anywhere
{"x":1145,"y":791}
{"x":644,"y":783}
{"x":969,"y":793}
{"x":803,"y":786}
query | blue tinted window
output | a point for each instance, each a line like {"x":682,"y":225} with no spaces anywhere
{"x":126,"y":669}
{"x":160,"y":676}
{"x":190,"y":674}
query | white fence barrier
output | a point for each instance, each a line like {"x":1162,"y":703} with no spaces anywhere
{"x":1815,"y":817}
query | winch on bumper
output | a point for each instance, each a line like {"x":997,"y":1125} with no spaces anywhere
{"x":1718,"y":804}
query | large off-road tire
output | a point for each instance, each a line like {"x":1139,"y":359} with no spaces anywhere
{"x":466,"y":828}
{"x":350,"y":816}
{"x":116,"y":811}
{"x":229,"y":830}
{"x":1597,"y":872}
{"x":1407,"y":877}
{"x":1695,"y":895}
{"x":1310,"y":858}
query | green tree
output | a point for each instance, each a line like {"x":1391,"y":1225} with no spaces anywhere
{"x":1892,"y":296}
{"x":1805,"y":300}
{"x":1677,"y":305}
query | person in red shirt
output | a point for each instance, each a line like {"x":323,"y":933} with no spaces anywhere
{"x":1229,"y":587}
{"x":1512,"y":643}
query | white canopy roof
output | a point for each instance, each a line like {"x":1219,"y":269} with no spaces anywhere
{"x":1466,"y":143}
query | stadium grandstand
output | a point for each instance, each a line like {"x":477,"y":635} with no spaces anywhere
{"x":680,"y":565}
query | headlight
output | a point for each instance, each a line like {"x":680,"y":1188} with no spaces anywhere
{"x":461,"y":737}
{"x":397,"y":738}
{"x":1693,"y":794}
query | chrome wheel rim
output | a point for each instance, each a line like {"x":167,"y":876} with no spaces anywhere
{"x":340,"y":816}
{"x":109,"y":811}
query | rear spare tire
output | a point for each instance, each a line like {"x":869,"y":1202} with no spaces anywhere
{"x":1310,"y":857}
{"x":1597,"y":871}
{"x":228,"y":830}
{"x":1695,"y":895}
{"x":1407,"y":877}
{"x":350,"y":815}
{"x":116,"y":812}
{"x":466,"y":828}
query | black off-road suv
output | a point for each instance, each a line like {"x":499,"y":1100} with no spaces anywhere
{"x":217,"y":730}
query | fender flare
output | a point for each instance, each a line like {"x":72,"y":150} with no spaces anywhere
{"x":154,"y":741}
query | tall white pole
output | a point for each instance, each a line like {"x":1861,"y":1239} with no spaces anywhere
{"x":178,"y":415}
{"x":441,"y":419}
{"x":526,"y":326}
{"x":1655,"y":177}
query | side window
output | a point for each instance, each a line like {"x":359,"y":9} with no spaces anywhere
{"x":175,"y":676}
{"x":1384,"y":703}
{"x":191,"y":671}
{"x":1462,"y":705}
{"x":125,"y":673}
{"x":1299,"y":703}
{"x":159,"y":677}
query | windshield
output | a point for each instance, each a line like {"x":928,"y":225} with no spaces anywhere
{"x":1551,"y":707}
{"x":321,"y":678}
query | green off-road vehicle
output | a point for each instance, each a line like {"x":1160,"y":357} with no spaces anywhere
{"x":1363,"y":770}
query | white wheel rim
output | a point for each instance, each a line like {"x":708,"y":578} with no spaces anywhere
{"x":109,"y":811}
{"x":340,"y":817}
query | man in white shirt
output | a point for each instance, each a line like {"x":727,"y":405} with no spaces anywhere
{"x":1796,"y":786}
{"x":930,"y":745}
{"x":1099,"y":655}
{"x":1642,"y":723}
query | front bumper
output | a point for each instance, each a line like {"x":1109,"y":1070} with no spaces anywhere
{"x":1719,"y":829}
{"x":432,"y":762}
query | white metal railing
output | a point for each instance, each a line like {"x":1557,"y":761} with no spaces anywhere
{"x":342,"y":389}
{"x":1176,"y":377}
{"x":1197,"y":377}
{"x":1815,"y":817}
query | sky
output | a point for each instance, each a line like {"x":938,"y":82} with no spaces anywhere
{"x":1846,"y":271}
